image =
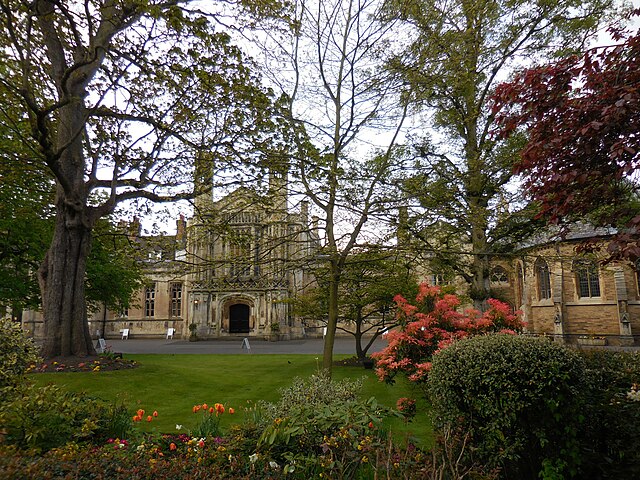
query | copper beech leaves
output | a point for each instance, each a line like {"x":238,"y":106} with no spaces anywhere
{"x":582,"y":118}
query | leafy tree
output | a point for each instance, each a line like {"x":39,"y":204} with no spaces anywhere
{"x":338,"y":98}
{"x":26,"y":220}
{"x":120,"y":97}
{"x":114,"y":269}
{"x":457,"y":53}
{"x":370,"y":280}
{"x":582,"y":115}
{"x":25,"y":229}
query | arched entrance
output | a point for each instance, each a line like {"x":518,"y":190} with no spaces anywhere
{"x":239,"y":318}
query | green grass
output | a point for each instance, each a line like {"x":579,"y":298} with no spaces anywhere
{"x":173,"y":384}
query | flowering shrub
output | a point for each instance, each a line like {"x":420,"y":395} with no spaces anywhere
{"x":430,"y":325}
{"x":157,"y":461}
{"x":17,"y":353}
{"x":406,"y":407}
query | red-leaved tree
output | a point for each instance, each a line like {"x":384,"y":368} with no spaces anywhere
{"x":433,"y":323}
{"x":582,"y":117}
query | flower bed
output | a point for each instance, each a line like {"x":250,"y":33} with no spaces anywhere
{"x":82,"y":364}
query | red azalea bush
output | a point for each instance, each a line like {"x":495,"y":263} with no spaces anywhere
{"x":433,"y":323}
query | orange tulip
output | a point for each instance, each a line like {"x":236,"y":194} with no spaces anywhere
{"x":155,"y":413}
{"x":210,"y":409}
{"x":140,"y":412}
{"x":231,"y":411}
{"x":149,"y":418}
{"x":205,"y":406}
{"x":172,"y":446}
{"x":219,"y":408}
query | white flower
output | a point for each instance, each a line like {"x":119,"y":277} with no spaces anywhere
{"x":634,"y":395}
{"x":253,"y":458}
{"x":273,"y":464}
{"x":178,"y":427}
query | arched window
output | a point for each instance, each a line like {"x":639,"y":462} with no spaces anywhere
{"x":544,"y":279}
{"x":499,"y":275}
{"x":587,"y":280}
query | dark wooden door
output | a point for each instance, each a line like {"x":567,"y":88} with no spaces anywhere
{"x":239,"y":318}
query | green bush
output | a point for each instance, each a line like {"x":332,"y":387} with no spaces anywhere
{"x":42,"y":418}
{"x":17,"y":353}
{"x":313,"y":392}
{"x":319,"y":426}
{"x":518,"y":398}
{"x":611,"y":446}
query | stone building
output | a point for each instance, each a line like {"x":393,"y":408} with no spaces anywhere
{"x":230,"y":270}
{"x":573,"y":297}
{"x":236,"y":265}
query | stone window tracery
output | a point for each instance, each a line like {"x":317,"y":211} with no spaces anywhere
{"x":499,"y":275}
{"x":587,"y":278}
{"x":543,"y":276}
{"x":150,"y":300}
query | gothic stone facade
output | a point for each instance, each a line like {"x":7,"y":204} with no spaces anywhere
{"x":229,"y":271}
{"x":572,"y":297}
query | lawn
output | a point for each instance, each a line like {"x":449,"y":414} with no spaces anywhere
{"x":173,"y":384}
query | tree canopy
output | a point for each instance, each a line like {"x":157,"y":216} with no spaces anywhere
{"x":119,"y":99}
{"x":456,"y":54}
{"x":348,"y":113}
{"x":370,"y":279}
{"x":582,"y":118}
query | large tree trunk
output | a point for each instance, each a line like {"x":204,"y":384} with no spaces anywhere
{"x":332,"y":323}
{"x":61,"y":278}
{"x":360,"y":352}
{"x":479,"y":291}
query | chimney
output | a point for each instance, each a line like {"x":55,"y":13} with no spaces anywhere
{"x":304,"y":212}
{"x":181,"y":228}
{"x":134,"y":227}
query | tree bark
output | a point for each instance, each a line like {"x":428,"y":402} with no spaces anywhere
{"x":61,"y":277}
{"x":360,"y":352}
{"x":332,"y":323}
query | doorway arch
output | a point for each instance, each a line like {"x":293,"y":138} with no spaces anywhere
{"x":239,"y":314}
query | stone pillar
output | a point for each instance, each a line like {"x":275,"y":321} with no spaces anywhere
{"x":558,"y":305}
{"x":626,"y":335}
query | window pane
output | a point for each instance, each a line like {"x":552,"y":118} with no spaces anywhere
{"x":587,"y":279}
{"x":544,"y":280}
{"x":149,"y":301}
{"x":176,"y":300}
